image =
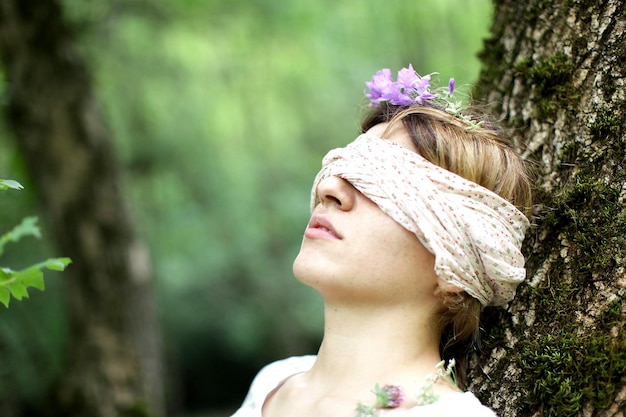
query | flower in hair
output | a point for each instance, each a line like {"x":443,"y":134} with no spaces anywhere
{"x":451,"y":86}
{"x":381,"y":87}
{"x":409,"y":88}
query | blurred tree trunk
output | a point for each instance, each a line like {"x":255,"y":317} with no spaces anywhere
{"x":113,"y":366}
{"x":557,"y":70}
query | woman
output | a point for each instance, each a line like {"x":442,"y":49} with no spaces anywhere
{"x":416,"y":225}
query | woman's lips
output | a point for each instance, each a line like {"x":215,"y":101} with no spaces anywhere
{"x":321,"y":228}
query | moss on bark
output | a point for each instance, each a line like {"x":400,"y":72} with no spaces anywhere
{"x":556,"y":73}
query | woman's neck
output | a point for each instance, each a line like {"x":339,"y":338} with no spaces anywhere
{"x":365,"y":346}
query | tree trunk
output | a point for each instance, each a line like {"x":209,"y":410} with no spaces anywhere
{"x":558,"y":71}
{"x":113,"y":364}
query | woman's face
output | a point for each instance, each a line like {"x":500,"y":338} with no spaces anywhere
{"x":352,"y":250}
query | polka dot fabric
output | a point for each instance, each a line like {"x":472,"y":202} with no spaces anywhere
{"x":475,"y":234}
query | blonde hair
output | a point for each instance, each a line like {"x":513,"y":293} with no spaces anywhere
{"x":479,"y":153}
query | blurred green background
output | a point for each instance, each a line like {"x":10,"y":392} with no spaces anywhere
{"x":221,"y":112}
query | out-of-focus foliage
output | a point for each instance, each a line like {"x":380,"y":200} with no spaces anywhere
{"x":222,"y":112}
{"x":16,"y":283}
{"x":29,"y":346}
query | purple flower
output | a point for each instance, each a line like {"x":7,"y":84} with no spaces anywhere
{"x":451,"y":86}
{"x":407,"y":78}
{"x":398,"y":97}
{"x":415,"y":87}
{"x":380,"y":85}
{"x":422,"y":90}
{"x":409,"y":88}
{"x":389,"y":396}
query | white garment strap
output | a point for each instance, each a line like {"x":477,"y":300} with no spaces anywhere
{"x":475,"y":234}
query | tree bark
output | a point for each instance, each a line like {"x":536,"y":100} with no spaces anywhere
{"x":113,"y":364}
{"x":558,"y":71}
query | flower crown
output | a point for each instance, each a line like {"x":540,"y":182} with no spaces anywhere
{"x":411,"y":88}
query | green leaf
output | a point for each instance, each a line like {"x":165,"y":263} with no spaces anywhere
{"x":16,"y":283}
{"x":28,"y":227}
{"x":17,"y":288}
{"x":32,"y":277}
{"x":57,"y":264}
{"x":5,"y":274}
{"x":6,"y":184}
{"x":5,"y":296}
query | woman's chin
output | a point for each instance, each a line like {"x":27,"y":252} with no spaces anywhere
{"x":305,"y":270}
{"x":313,"y":272}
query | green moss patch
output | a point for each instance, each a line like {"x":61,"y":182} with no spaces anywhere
{"x":588,"y":213}
{"x":566,"y":367}
{"x":562,"y":372}
{"x":552,"y":79}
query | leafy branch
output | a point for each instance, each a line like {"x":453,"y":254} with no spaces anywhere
{"x":16,"y":283}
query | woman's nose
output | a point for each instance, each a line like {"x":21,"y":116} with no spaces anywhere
{"x":336,"y":191}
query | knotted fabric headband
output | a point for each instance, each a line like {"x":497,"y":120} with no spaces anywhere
{"x":475,"y":234}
